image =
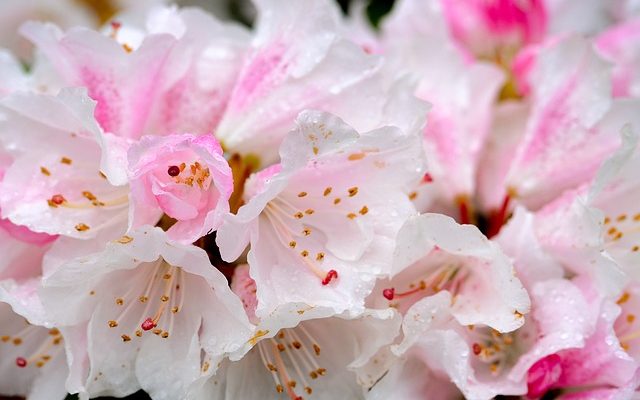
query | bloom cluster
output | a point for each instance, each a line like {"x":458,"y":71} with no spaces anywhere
{"x":444,"y":207}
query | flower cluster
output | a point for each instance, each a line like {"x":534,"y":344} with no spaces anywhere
{"x":447,"y":206}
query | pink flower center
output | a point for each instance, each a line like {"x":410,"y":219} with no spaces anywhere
{"x":447,"y":277}
{"x":492,"y":348}
{"x":195,"y":174}
{"x":163,"y":291}
{"x":45,"y":344}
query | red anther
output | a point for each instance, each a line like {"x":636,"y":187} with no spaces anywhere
{"x":57,"y":199}
{"x":173,"y":170}
{"x":477,"y":349}
{"x":116,"y":25}
{"x":148,"y":324}
{"x":21,"y":362}
{"x":389,"y":293}
{"x":427,"y":178}
{"x":332,"y":274}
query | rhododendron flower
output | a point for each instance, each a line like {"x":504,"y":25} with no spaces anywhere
{"x":601,"y":363}
{"x":297,"y":204}
{"x":184,"y":176}
{"x":298,"y":60}
{"x":453,"y":271}
{"x":415,"y":39}
{"x":55,"y":184}
{"x":306,"y":220}
{"x":321,"y":357}
{"x":33,"y":359}
{"x":156,"y":304}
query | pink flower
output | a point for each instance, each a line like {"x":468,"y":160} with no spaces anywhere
{"x":600,"y":363}
{"x":487,"y":28}
{"x":55,"y":184}
{"x":309,"y":222}
{"x":166,"y":316}
{"x":571,"y":113}
{"x":184,"y":176}
{"x":461,"y":92}
{"x":323,"y":356}
{"x":299,"y":59}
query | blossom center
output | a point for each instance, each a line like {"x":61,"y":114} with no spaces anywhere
{"x":195,"y":174}
{"x":294,"y":234}
{"x":291,"y":357}
{"x":35,"y":345}
{"x":155,"y":307}
{"x":492,"y":348}
{"x":449,"y":276}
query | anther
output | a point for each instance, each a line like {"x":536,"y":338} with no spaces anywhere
{"x":126,"y":338}
{"x":353,"y":191}
{"x":81,"y":227}
{"x":112,"y":324}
